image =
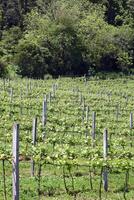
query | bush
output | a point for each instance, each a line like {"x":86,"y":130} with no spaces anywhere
{"x":32,"y":59}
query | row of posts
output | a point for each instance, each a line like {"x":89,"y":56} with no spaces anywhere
{"x":105,"y":136}
{"x":15,"y":162}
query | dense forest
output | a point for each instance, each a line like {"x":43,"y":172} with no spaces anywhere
{"x":66,"y":37}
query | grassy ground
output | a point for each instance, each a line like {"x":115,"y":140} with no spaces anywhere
{"x":52,"y":185}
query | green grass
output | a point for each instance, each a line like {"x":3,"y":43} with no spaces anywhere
{"x":52,"y":185}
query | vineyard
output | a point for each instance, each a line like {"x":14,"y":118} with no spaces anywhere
{"x":75,"y":138}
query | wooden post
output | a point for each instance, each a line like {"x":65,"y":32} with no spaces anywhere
{"x":80,"y":97}
{"x":117,"y":112}
{"x":87,"y":118}
{"x":83,"y":116}
{"x":34,"y":131}
{"x":87,"y":114}
{"x":83,"y":111}
{"x":83,"y":103}
{"x":131,"y":120}
{"x":105,"y":152}
{"x":44,"y":112}
{"x":93,"y":125}
{"x":15,"y":162}
{"x":34,"y":138}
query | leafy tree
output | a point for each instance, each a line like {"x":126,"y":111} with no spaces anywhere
{"x":105,"y":42}
{"x":60,"y":40}
{"x":33,"y":60}
{"x":67,"y":37}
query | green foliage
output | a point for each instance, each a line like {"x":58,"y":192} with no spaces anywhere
{"x":67,"y":37}
{"x":102,"y":40}
{"x":57,"y":40}
{"x":9,"y":41}
{"x":8,"y":44}
{"x":32,"y":59}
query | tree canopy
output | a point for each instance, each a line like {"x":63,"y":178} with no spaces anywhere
{"x":60,"y":37}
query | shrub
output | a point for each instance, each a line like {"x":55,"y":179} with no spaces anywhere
{"x":32,"y":59}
